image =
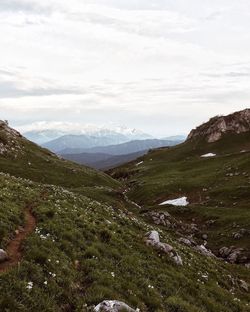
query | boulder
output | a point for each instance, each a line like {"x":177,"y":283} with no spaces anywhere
{"x":3,"y":255}
{"x":244,"y":285}
{"x":165,"y":247}
{"x":177,"y":259}
{"x":161,"y":218}
{"x":153,"y":239}
{"x":113,"y":306}
{"x":234,"y":255}
{"x":185,"y":241}
{"x":204,"y":251}
{"x":224,"y":252}
{"x":205,"y":236}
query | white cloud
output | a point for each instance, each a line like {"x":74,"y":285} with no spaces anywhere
{"x":172,"y":62}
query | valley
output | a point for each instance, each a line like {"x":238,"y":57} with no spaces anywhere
{"x":102,"y":236}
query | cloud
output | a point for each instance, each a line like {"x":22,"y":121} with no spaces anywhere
{"x":136,"y":61}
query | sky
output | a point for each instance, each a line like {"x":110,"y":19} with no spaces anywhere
{"x":162,"y":66}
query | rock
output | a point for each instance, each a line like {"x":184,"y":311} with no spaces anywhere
{"x":237,"y":235}
{"x":113,"y":306}
{"x":205,"y":236}
{"x":3,"y":255}
{"x":244,"y":285}
{"x":153,"y":239}
{"x":204,"y":251}
{"x":234,"y":256}
{"x":224,"y":252}
{"x":214,"y":129}
{"x":165,"y":247}
{"x":185,"y":241}
{"x":177,"y":259}
{"x":161,"y":218}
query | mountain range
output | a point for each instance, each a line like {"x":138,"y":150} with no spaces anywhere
{"x":106,"y":157}
{"x":96,"y":146}
{"x":59,"y":135}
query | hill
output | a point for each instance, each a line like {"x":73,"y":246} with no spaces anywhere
{"x":124,"y":148}
{"x":219,"y":126}
{"x":215,"y":179}
{"x":22,"y":158}
{"x":105,"y":157}
{"x":80,"y":239}
{"x":102,"y":161}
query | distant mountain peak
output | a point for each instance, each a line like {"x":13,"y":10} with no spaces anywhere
{"x":216,"y":127}
{"x":42,"y":132}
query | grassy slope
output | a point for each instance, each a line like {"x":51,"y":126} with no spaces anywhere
{"x":38,"y":164}
{"x":89,"y":246}
{"x":218,"y":188}
{"x":85,"y":251}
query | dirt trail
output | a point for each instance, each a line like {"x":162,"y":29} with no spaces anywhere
{"x":14,"y":247}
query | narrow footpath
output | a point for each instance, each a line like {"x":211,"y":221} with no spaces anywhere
{"x":14,"y":248}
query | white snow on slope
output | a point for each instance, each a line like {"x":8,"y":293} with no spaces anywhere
{"x":208,"y":155}
{"x":182,"y":201}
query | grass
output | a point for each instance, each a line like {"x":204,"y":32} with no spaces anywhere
{"x":89,"y":246}
{"x":218,"y":188}
{"x":84,"y":251}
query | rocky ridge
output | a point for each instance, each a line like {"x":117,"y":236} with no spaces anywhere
{"x":216,"y":127}
{"x":8,"y":140}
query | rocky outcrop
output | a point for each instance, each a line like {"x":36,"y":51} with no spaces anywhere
{"x":113,"y":306}
{"x":204,"y":251}
{"x":214,"y":129}
{"x":3,"y":255}
{"x":9,"y":142}
{"x":162,"y":218}
{"x":187,"y":241}
{"x":233,"y":255}
{"x":153,"y":239}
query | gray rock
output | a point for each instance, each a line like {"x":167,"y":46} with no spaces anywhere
{"x":177,"y":259}
{"x":234,"y":256}
{"x":204,"y":251}
{"x":244,"y":285}
{"x":224,"y":252}
{"x":3,"y":255}
{"x":113,"y":306}
{"x":185,"y":241}
{"x":165,"y":247}
{"x":237,"y":235}
{"x":153,"y":239}
{"x":205,"y":236}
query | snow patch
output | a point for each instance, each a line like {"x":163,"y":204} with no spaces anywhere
{"x":182,"y":201}
{"x":208,"y":155}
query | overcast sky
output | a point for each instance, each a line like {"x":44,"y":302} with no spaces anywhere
{"x":163,"y":66}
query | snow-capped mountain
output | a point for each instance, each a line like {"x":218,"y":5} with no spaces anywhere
{"x":44,"y":132}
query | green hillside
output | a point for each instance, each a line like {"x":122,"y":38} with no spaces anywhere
{"x":218,"y":188}
{"x":89,"y":245}
{"x":22,"y":158}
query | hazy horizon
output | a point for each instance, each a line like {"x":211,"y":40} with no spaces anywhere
{"x":161,"y":66}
